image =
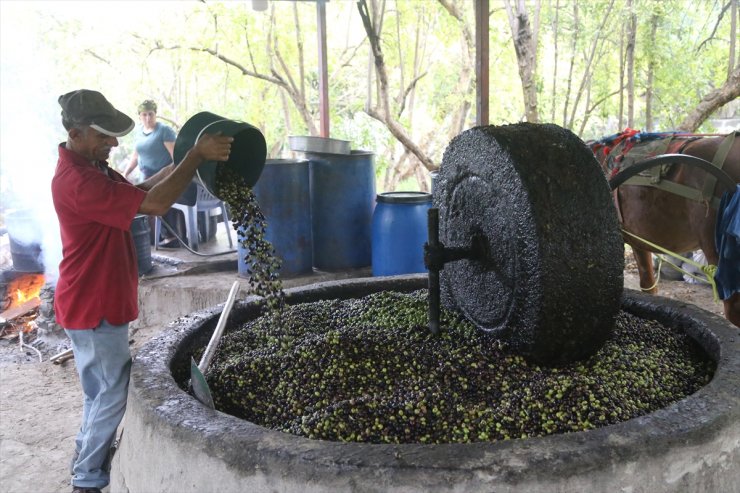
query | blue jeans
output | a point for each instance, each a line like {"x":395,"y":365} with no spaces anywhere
{"x":103,"y":363}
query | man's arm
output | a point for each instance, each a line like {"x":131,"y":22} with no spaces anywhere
{"x":170,"y":146}
{"x":167,"y":185}
{"x":161,"y":174}
{"x":150,"y":182}
{"x":132,"y":164}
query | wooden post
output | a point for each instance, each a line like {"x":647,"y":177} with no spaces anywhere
{"x":323,"y":68}
{"x":481,"y":62}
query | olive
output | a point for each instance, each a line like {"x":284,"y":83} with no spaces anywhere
{"x":368,"y":370}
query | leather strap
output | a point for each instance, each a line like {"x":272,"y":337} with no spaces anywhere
{"x":615,"y":197}
{"x":675,"y":188}
{"x":656,"y":172}
{"x":719,"y":160}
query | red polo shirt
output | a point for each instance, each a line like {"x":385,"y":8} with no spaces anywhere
{"x":98,"y":276}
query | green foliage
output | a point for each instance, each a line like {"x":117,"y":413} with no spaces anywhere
{"x":170,"y":52}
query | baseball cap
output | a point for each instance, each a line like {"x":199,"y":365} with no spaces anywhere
{"x":148,"y":105}
{"x":87,"y":107}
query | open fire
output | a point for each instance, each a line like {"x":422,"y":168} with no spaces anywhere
{"x":24,"y":289}
{"x":20,"y":301}
{"x":27,"y":315}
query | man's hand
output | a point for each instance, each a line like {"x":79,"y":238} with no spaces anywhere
{"x":170,"y":182}
{"x":213,"y":147}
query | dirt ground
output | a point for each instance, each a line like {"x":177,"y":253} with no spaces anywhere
{"x":40,"y":402}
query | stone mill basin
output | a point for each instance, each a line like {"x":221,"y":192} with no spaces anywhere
{"x":172,"y":442}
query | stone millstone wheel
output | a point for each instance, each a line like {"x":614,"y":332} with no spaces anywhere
{"x":552,"y":279}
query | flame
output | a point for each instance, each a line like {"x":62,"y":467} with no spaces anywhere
{"x":28,"y":327}
{"x":27,"y":288}
{"x":23,"y":296}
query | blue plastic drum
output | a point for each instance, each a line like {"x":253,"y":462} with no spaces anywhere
{"x":399,"y":232}
{"x":342,"y":202}
{"x":283,"y":196}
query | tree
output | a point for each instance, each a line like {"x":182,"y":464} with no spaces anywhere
{"x":733,"y":36}
{"x":715,"y":99}
{"x":524,"y":37}
{"x":595,"y":52}
{"x":555,"y":36}
{"x":630,"y":63}
{"x":465,"y":81}
{"x":572,"y":64}
{"x":260,"y":67}
{"x":654,"y":21}
{"x":382,"y":112}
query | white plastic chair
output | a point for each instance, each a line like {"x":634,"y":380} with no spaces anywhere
{"x":205,"y":202}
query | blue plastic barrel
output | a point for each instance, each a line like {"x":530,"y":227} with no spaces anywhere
{"x":283,"y":196}
{"x":399,"y":232}
{"x":342,"y":203}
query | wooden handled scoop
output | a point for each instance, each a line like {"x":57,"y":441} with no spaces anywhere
{"x":197,"y":379}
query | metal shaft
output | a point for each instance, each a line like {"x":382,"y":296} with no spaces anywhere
{"x":434,"y":268}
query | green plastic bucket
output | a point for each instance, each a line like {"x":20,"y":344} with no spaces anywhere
{"x":248,"y":151}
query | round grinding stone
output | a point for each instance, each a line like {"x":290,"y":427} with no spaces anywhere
{"x":551,"y":282}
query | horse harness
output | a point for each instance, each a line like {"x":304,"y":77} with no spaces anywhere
{"x":624,"y":155}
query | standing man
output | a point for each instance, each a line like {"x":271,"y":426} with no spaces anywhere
{"x":96,"y":294}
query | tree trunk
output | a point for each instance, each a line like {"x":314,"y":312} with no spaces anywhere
{"x":620,"y":125}
{"x":555,"y":61}
{"x":383,"y":113}
{"x":586,"y":114}
{"x":594,"y":53}
{"x":464,"y":83}
{"x":401,"y":68}
{"x":526,"y":53}
{"x":574,"y":45}
{"x":631,"y":40}
{"x":733,"y":37}
{"x":729,"y":91}
{"x":299,"y":45}
{"x":650,"y":76}
{"x":420,"y":45}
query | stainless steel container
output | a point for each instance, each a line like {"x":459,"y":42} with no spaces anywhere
{"x":319,"y":144}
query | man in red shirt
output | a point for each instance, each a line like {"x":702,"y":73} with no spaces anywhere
{"x":96,"y":294}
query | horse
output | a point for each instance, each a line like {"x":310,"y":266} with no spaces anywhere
{"x":671,"y":221}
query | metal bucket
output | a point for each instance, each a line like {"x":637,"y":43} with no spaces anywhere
{"x":319,"y":144}
{"x":26,"y":256}
{"x":434,"y":175}
{"x":140,"y":231}
{"x":23,"y":233}
{"x":248,"y":151}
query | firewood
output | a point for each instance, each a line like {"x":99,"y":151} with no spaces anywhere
{"x":20,"y":310}
{"x":62,"y":357}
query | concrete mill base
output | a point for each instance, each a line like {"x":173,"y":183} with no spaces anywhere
{"x":172,"y":443}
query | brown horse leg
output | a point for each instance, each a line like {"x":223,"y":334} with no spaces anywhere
{"x":732,"y":309}
{"x":644,"y":261}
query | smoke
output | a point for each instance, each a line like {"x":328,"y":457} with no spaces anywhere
{"x":30,"y":130}
{"x":38,"y":40}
